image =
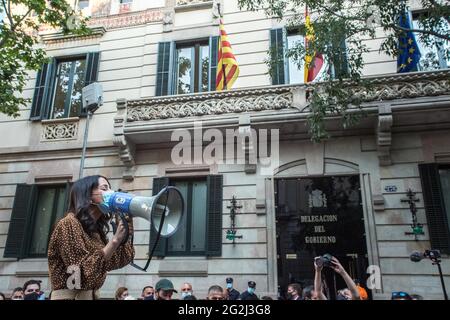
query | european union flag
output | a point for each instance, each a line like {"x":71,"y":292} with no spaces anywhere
{"x":409,"y":53}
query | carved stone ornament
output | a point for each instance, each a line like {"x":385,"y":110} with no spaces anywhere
{"x":256,"y":100}
{"x":190,"y":2}
{"x":126,"y":148}
{"x":384,"y":134}
{"x":281,"y":97}
{"x":168,"y":20}
{"x":59,"y":131}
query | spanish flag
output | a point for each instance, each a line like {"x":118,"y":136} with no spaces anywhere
{"x":227,"y":67}
{"x":313,"y":63}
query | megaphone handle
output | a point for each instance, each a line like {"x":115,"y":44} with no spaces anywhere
{"x":125,"y":225}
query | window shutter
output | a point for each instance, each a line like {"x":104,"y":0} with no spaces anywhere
{"x":67,"y":195}
{"x":160,"y":250}
{"x":277,"y":56}
{"x":214,"y":215}
{"x":213,"y":55}
{"x":434,"y":207}
{"x":20,"y":217}
{"x":38,"y":97}
{"x":163,"y":69}
{"x":92,"y":62}
{"x":91,"y":72}
{"x":340,"y":62}
{"x":40,"y":106}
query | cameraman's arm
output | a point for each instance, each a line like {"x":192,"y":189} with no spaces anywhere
{"x":348,"y":280}
{"x":318,"y":282}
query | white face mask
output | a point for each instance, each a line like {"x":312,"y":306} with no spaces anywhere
{"x":229,"y":285}
{"x":185,"y":294}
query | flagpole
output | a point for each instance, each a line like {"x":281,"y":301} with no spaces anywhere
{"x":223,"y":68}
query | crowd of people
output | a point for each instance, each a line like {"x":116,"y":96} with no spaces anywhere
{"x":164,"y":290}
{"x":80,"y":240}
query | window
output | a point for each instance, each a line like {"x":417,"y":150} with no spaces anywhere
{"x":192,"y":65}
{"x":83,"y":4}
{"x":125,"y":6}
{"x":49,"y":208}
{"x":70,"y":77}
{"x":435,"y":180}
{"x":200,"y":232}
{"x":285,"y":70}
{"x":436,"y":56}
{"x":444,"y":177}
{"x":59,"y":86}
{"x":186,"y":67}
{"x":296,"y":73}
{"x":35,"y":211}
{"x":190,"y":238}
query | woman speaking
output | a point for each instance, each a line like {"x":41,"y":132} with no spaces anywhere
{"x":79,"y":253}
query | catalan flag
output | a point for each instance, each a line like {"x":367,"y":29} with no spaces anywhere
{"x":313,"y":63}
{"x":227,"y":66}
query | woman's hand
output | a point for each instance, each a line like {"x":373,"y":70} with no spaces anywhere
{"x":120,"y":234}
{"x":130,"y":225}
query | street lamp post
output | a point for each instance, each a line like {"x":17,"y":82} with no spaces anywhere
{"x":83,"y":154}
{"x":92,"y":100}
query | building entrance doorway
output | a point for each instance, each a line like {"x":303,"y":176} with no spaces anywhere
{"x":315,"y":216}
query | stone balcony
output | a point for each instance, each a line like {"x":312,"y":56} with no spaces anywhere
{"x":408,"y":98}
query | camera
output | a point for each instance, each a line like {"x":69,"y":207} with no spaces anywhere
{"x":432,"y":254}
{"x":324,"y":260}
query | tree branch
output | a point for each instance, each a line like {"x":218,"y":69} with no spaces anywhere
{"x":23,"y":18}
{"x":353,"y":18}
{"x":430,"y":32}
{"x":8,"y":13}
{"x":433,"y":2}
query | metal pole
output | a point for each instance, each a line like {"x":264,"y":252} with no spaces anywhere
{"x":442,"y":280}
{"x":83,"y":155}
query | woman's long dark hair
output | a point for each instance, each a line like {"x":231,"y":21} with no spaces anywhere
{"x":81,"y":205}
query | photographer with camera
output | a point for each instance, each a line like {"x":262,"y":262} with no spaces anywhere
{"x":349,"y":293}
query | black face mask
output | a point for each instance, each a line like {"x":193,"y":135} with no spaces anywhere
{"x":289,"y":295}
{"x":32,"y":296}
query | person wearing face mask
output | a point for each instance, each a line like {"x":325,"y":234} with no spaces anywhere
{"x":17,"y":294}
{"x":294,"y":292}
{"x":79,"y":253}
{"x":148,"y":293}
{"x":186,"y":290}
{"x":32,"y":290}
{"x":164,"y":290}
{"x":249,"y":294}
{"x":233,"y":294}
